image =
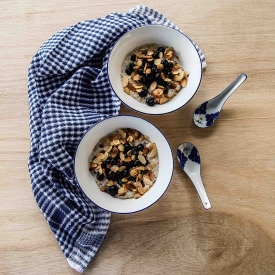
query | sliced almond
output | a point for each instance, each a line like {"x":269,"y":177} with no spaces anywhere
{"x":114,"y":152}
{"x":96,"y":160}
{"x":93,"y":165}
{"x":121,"y":147}
{"x":181,"y":75}
{"x":183,"y":83}
{"x":122,"y":133}
{"x":116,"y":142}
{"x":176,"y":78}
{"x":113,"y":136}
{"x":153,"y":86}
{"x":142,"y":159}
{"x":109,"y":148}
{"x":163,"y":100}
{"x":160,"y":67}
{"x":172,"y":85}
{"x":137,"y":77}
{"x":167,"y":80}
{"x":121,"y":156}
{"x":133,"y":157}
{"x":126,"y":90}
{"x":133,"y":74}
{"x":148,"y":71}
{"x":157,"y":61}
{"x":103,"y":188}
{"x":141,"y":190}
{"x":153,"y":153}
{"x":152,"y":176}
{"x":147,"y":181}
{"x":106,"y":155}
{"x":114,"y":168}
{"x":152,"y":146}
{"x":124,"y":180}
{"x":124,"y":81}
{"x":121,"y":191}
{"x":136,"y":196}
{"x":151,"y":166}
{"x":134,"y":172}
{"x":110,"y":183}
{"x":139,"y":62}
{"x":138,"y":87}
{"x":160,"y":54}
{"x":139,"y":55}
{"x":131,"y":87}
{"x":122,"y":168}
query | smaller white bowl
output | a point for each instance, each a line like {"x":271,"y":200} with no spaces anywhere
{"x":158,"y":34}
{"x":87,"y":182}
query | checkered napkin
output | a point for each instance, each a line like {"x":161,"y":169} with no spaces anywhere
{"x":69,"y":92}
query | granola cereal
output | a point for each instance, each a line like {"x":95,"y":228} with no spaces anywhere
{"x":152,"y":74}
{"x":124,"y":163}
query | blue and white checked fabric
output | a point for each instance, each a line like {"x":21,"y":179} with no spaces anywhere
{"x":68,"y":93}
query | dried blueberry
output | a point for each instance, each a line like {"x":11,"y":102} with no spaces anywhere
{"x":138,"y":163}
{"x":165,"y":91}
{"x":144,"y":60}
{"x":154,"y":69}
{"x":155,"y":55}
{"x":128,"y":71}
{"x":170,"y":75}
{"x":134,"y":151}
{"x":131,"y":179}
{"x":127,"y":147}
{"x":170,"y":64}
{"x":143,"y":93}
{"x":164,"y":62}
{"x":133,"y":57}
{"x":140,"y":71}
{"x":150,"y":101}
{"x":161,"y":49}
{"x":100,"y":177}
{"x":113,"y":190}
{"x":150,"y":76}
{"x":140,"y":147}
{"x":125,"y":173}
{"x":110,"y":175}
{"x":142,"y":79}
{"x":149,"y":65}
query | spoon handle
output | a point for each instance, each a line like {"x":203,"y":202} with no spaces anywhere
{"x":201,"y":191}
{"x":232,"y":88}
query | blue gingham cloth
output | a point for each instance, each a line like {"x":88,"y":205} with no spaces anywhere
{"x":69,"y":92}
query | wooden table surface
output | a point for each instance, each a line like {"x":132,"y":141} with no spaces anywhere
{"x":176,"y":235}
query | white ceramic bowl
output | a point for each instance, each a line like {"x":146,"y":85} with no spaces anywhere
{"x":87,"y":182}
{"x":185,"y":49}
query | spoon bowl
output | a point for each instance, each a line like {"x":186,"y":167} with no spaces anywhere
{"x":208,"y":112}
{"x":189,"y":160}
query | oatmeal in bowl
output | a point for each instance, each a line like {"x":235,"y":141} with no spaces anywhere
{"x":124,"y":164}
{"x":154,"y":69}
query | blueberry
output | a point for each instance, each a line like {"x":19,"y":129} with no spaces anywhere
{"x":140,"y":71}
{"x":157,"y":76}
{"x":161,"y":49}
{"x":118,"y":175}
{"x":128,"y":71}
{"x":149,"y":65}
{"x":154,"y":69}
{"x":134,"y":151}
{"x":167,"y":70}
{"x":150,"y":76}
{"x":138,"y":163}
{"x":150,"y":101}
{"x":165,"y":91}
{"x":170,"y":75}
{"x":131,"y":179}
{"x":143,"y":93}
{"x":144,"y":60}
{"x":111,"y":175}
{"x":133,"y":57}
{"x":155,"y":55}
{"x":113,"y":190}
{"x":164,"y":62}
{"x":120,"y":182}
{"x":100,"y":177}
{"x":132,"y":65}
{"x":127,"y":147}
{"x":142,"y":79}
{"x":125,"y":173}
{"x":140,"y":147}
{"x":170,"y":64}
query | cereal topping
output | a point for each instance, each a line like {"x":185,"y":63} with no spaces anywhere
{"x":125,"y":164}
{"x":153,"y":74}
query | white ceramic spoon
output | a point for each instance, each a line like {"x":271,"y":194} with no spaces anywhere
{"x":208,"y":112}
{"x":189,"y":160}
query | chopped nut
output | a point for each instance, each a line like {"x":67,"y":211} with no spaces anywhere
{"x":153,"y":85}
{"x":157,"y":61}
{"x":121,"y":191}
{"x":110,"y":183}
{"x":136,"y":196}
{"x":124,"y":81}
{"x":163,"y":100}
{"x":126,"y":90}
{"x":142,"y":159}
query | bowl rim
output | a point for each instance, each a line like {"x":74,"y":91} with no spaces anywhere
{"x":172,"y":156}
{"x":144,"y":26}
